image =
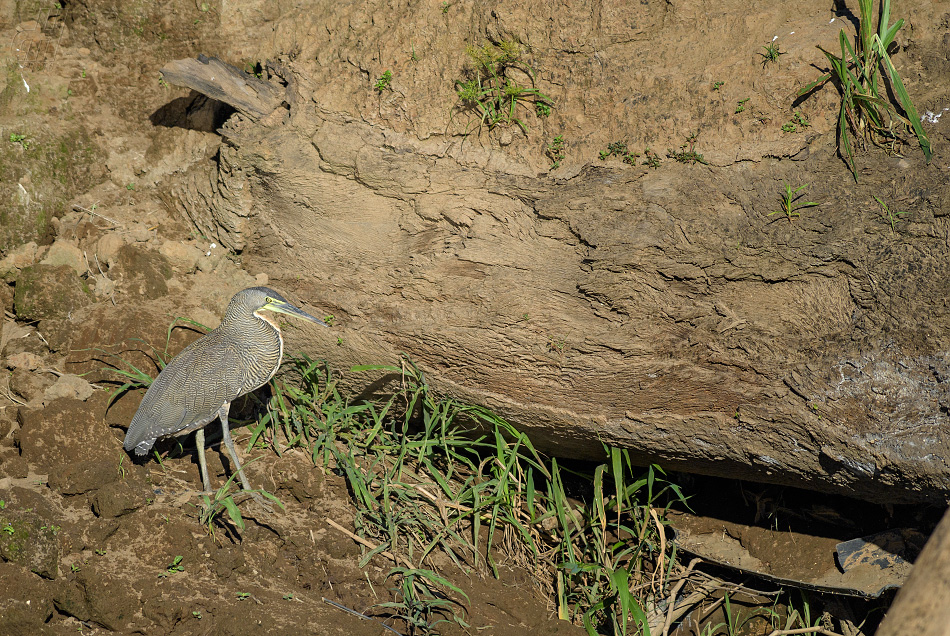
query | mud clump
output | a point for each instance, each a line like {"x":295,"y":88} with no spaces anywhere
{"x":49,"y":292}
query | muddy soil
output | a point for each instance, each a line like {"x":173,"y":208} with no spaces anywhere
{"x":96,"y":253}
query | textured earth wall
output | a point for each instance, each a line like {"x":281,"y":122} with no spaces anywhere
{"x":662,"y":309}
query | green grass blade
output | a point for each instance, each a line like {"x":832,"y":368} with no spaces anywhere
{"x":906,"y":104}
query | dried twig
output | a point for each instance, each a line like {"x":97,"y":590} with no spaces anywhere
{"x":355,"y":613}
{"x":662,"y":534}
{"x":672,"y":600}
{"x":369,"y":544}
{"x":79,"y":208}
{"x":804,"y":630}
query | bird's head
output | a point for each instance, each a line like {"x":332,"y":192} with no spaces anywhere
{"x":256,"y":300}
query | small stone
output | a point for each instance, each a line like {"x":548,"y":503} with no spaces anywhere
{"x":181,"y":255}
{"x":140,"y":233}
{"x":63,"y":252}
{"x":29,"y":386}
{"x":21,"y":257}
{"x":116,"y":499}
{"x":68,"y":386}
{"x":24,"y":360}
{"x":107,"y":248}
{"x":104,"y":287}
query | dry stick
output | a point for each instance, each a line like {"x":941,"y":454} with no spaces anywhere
{"x":676,"y":590}
{"x":804,"y":630}
{"x":101,"y":216}
{"x":694,"y":599}
{"x":662,"y":532}
{"x":355,"y":613}
{"x":370,"y":544}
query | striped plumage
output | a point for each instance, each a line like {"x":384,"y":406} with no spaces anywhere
{"x":200,"y":383}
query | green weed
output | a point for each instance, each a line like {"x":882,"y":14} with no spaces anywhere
{"x":555,"y":151}
{"x":493,"y":91}
{"x":175,"y":566}
{"x":687,"y":152}
{"x":771,"y":54}
{"x":619,"y":149}
{"x":797,"y":120}
{"x":865,"y":113}
{"x":211,"y":508}
{"x":717,"y":85}
{"x":422,"y":604}
{"x":650,"y":158}
{"x":740,"y":105}
{"x":790,"y":204}
{"x":382,"y":83}
{"x":891,"y":217}
{"x":18,"y":138}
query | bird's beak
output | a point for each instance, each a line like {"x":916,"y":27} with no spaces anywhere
{"x":291,"y":310}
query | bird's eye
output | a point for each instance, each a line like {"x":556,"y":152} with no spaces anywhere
{"x":268,"y":299}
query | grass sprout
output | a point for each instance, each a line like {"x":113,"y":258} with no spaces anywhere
{"x":892,"y":217}
{"x":555,"y":150}
{"x":865,"y":113}
{"x":382,"y":83}
{"x":790,"y":204}
{"x":619,"y":149}
{"x":771,"y":54}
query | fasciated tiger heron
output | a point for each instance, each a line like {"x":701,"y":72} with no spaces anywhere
{"x":199,"y":384}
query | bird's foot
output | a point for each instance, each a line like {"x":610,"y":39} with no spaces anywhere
{"x":256,"y":496}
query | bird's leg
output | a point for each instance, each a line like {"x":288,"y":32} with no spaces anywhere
{"x":202,"y":464}
{"x":229,"y":444}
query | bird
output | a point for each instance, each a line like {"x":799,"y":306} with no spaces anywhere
{"x":199,"y":384}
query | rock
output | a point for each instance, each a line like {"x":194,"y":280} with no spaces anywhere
{"x":23,"y":360}
{"x":68,"y":386}
{"x":182,"y":256}
{"x":6,"y":296}
{"x":107,"y":248}
{"x":63,"y":252}
{"x":21,"y":257}
{"x":66,"y":431}
{"x":26,"y":602}
{"x":30,"y":385}
{"x":119,"y":498}
{"x":99,"y":597}
{"x":81,"y":477}
{"x":29,"y":534}
{"x":16,"y":467}
{"x":49,"y":291}
{"x":142,"y":273}
{"x":140,"y":233}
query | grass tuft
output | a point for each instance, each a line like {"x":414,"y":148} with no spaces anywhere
{"x":865,"y":113}
{"x":429,"y":474}
{"x":494,"y":89}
